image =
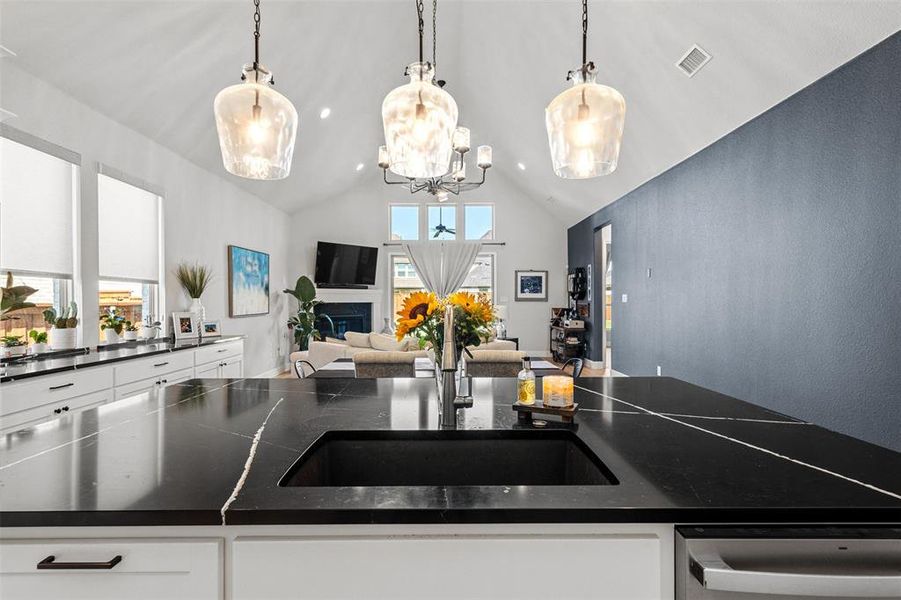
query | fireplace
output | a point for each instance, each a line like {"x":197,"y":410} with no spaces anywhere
{"x":346,"y":316}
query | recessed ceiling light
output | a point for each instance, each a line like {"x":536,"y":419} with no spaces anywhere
{"x":325,"y":112}
{"x":521,"y":166}
{"x":360,"y":166}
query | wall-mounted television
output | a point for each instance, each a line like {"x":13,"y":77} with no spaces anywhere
{"x":345,"y":265}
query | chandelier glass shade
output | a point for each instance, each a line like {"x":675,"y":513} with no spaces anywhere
{"x":257,"y":127}
{"x":585,"y":127}
{"x":420,"y":120}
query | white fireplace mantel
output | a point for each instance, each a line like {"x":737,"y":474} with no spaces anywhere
{"x":372,"y":295}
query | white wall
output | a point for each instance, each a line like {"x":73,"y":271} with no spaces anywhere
{"x":535,"y":237}
{"x":203,"y":213}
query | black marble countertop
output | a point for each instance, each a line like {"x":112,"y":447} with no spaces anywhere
{"x":681,"y":454}
{"x":103,"y":355}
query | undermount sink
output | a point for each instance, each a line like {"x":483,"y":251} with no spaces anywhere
{"x":447,"y":458}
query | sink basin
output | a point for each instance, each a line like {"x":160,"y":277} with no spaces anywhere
{"x":447,"y":458}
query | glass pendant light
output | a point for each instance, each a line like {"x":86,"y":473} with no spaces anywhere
{"x":585,"y":122}
{"x":419,"y":119}
{"x":257,"y":126}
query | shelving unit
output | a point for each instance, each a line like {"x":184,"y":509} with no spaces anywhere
{"x":561,"y":349}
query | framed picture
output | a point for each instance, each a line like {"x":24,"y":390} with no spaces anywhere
{"x":248,"y":282}
{"x":184,"y":324}
{"x":531,"y":285}
{"x":210,"y":329}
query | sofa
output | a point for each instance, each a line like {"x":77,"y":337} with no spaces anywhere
{"x":323,"y":352}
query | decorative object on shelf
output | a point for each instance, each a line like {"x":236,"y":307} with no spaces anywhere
{"x":557,"y":390}
{"x":257,"y":126}
{"x":63,"y":327}
{"x":13,"y":298}
{"x":150,"y":328}
{"x":421,"y":134}
{"x":303,"y":323}
{"x":131,"y":332}
{"x":500,"y":325}
{"x":112,"y":323}
{"x":210,"y":329}
{"x":185,"y":325}
{"x":531,"y":286}
{"x":248,"y":282}
{"x":525,"y":383}
{"x":194,"y":280}
{"x":40,"y":341}
{"x":585,"y":122}
{"x":13,"y":345}
{"x":422,"y":317}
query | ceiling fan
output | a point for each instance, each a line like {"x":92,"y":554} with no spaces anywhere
{"x":441,"y":227}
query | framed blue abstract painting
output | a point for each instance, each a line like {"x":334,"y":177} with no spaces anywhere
{"x":248,"y":282}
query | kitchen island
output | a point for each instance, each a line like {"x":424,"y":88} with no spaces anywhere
{"x":190,"y":475}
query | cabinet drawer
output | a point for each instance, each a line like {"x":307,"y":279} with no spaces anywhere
{"x":154,"y":383}
{"x":135,"y":370}
{"x":148,"y":569}
{"x":45,"y":389}
{"x":623,"y":567}
{"x":54,"y":410}
{"x":217,"y":352}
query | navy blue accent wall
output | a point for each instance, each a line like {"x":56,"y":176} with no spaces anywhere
{"x":775,"y":257}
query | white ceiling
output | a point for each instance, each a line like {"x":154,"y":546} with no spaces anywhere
{"x":156,"y":66}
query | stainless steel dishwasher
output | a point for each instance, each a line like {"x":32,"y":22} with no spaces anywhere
{"x":783,"y":563}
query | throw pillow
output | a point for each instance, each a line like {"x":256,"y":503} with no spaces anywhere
{"x":357,"y":340}
{"x":387,"y":343}
{"x":332,"y":340}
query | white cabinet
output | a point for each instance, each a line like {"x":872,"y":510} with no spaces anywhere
{"x":154,"y":383}
{"x":219,"y":361}
{"x":147,"y":569}
{"x":42,"y":398}
{"x":53,"y":410}
{"x":620,"y":567}
{"x":140,"y":369}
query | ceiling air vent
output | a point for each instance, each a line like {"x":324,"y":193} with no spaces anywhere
{"x":692,"y":61}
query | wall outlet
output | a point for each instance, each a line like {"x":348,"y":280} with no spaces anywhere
{"x":625,"y":298}
{"x":649,"y":272}
{"x":659,"y":371}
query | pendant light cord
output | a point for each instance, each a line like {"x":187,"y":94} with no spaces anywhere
{"x":419,"y":8}
{"x":584,"y":33}
{"x":256,"y":39}
{"x":435,"y":38}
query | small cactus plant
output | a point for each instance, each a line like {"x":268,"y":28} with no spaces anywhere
{"x":67,"y":319}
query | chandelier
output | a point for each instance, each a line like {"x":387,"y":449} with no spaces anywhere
{"x":422,"y":141}
{"x":585,"y":122}
{"x":257,"y":126}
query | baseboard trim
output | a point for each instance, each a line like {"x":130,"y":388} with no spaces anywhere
{"x":594,"y":364}
{"x":617,"y":373}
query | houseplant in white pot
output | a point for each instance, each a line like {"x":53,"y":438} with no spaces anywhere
{"x":112,"y":323}
{"x":131,"y":331}
{"x":40,"y":341}
{"x":151,"y":328}
{"x":13,"y":345}
{"x":194,"y":279}
{"x":63,"y":334}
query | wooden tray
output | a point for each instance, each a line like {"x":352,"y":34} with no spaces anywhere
{"x":566,"y":413}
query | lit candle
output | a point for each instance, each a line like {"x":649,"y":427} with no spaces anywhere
{"x":483,"y":157}
{"x":557,"y":390}
{"x":461,"y":140}
{"x":384,"y":163}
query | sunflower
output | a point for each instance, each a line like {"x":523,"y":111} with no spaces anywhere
{"x":464,"y":300}
{"x":483,"y":311}
{"x":417,"y":307}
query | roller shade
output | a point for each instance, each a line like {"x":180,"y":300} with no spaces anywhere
{"x":37,"y":207}
{"x":129,"y":231}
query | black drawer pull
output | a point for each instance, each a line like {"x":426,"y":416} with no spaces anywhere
{"x":59,"y":387}
{"x":61,"y":409}
{"x":223,"y":350}
{"x":50,"y":563}
{"x":163,"y":364}
{"x":162,"y":381}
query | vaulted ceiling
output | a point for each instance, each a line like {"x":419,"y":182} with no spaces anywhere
{"x":155,"y":66}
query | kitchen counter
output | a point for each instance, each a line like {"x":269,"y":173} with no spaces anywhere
{"x":103,"y":355}
{"x":681,"y":454}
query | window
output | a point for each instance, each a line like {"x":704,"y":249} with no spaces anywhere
{"x":38,"y":204}
{"x":130,"y":248}
{"x":405,"y":281}
{"x":404,"y":222}
{"x":442,"y":222}
{"x":478,"y":221}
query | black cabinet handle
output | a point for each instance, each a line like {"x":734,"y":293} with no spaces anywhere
{"x":61,"y":409}
{"x":59,"y":387}
{"x":223,"y":350}
{"x":162,"y":364}
{"x":50,"y":563}
{"x":162,"y":381}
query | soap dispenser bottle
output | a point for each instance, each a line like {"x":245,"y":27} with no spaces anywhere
{"x":525,"y":383}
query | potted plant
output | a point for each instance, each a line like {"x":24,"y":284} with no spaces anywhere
{"x":131,"y":331}
{"x":13,"y":345}
{"x":63,"y":327}
{"x":112,"y":323}
{"x":12,"y":298}
{"x":194,"y":279}
{"x":40,"y":341}
{"x":150,"y":328}
{"x":303,"y":324}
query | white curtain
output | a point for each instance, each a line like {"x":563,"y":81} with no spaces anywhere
{"x":442,"y":266}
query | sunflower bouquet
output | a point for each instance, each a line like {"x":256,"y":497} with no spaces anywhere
{"x":422,"y":317}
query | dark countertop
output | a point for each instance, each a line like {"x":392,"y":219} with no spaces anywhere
{"x":682,"y":454}
{"x":104,"y":355}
